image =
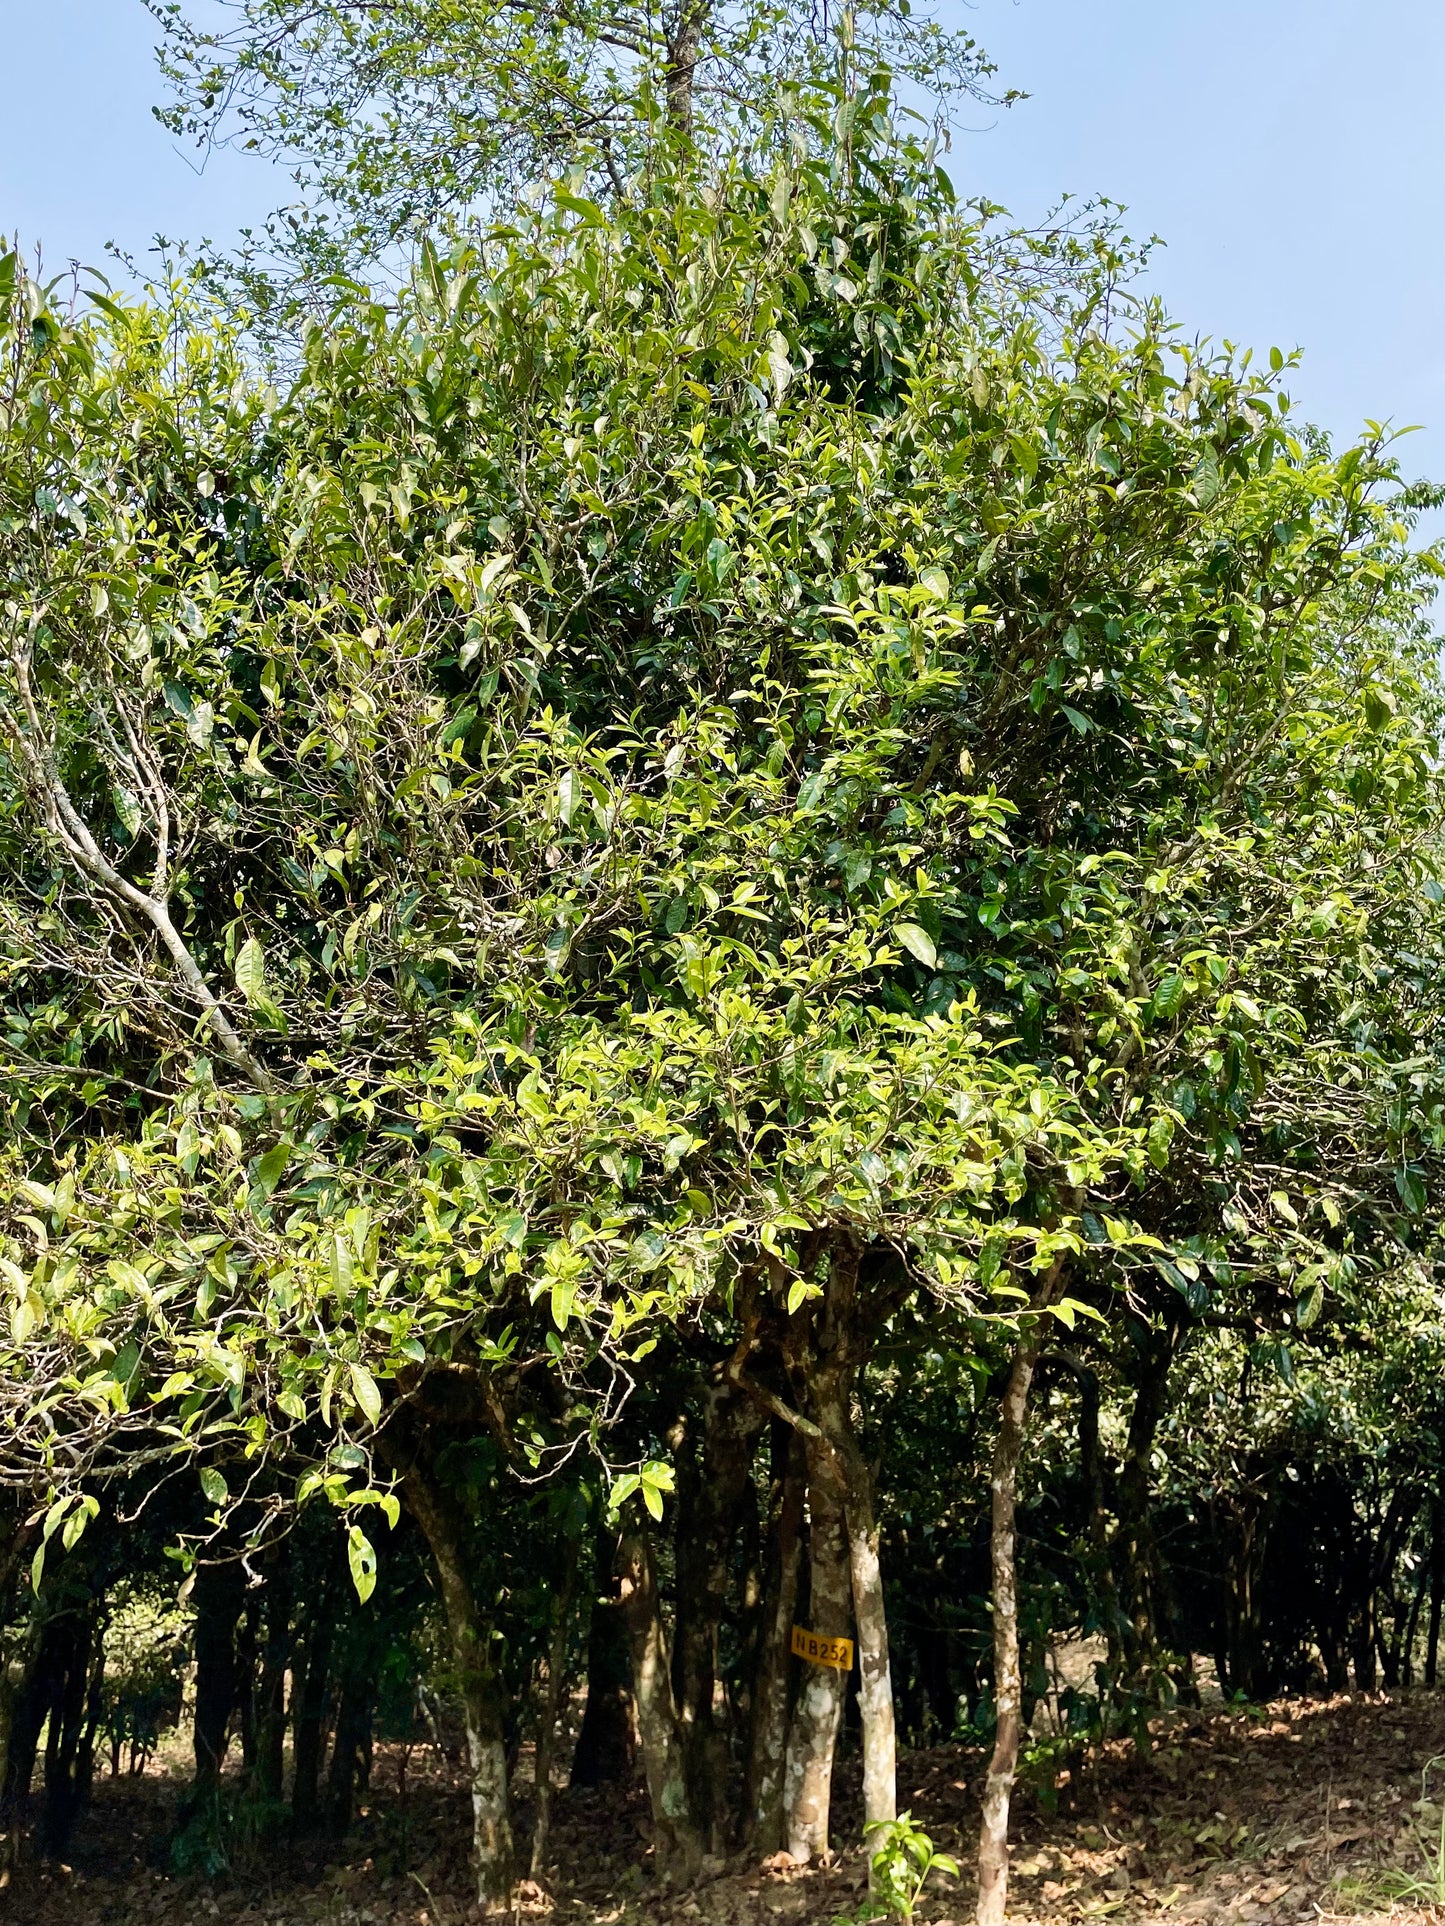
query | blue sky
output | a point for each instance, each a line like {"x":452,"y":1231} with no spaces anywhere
{"x":1290,"y":152}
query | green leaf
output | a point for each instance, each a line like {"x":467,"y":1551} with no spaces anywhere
{"x":122,"y":1272}
{"x":799,"y":1291}
{"x":459,"y":726}
{"x":251,"y":971}
{"x":251,"y":982}
{"x":361,"y":1557}
{"x":367,"y":1394}
{"x":1168,"y":995}
{"x":1411,"y":1187}
{"x":915,"y":938}
{"x":622,"y":1491}
{"x":214,"y":1485}
{"x":127,"y":810}
{"x":342,"y":1263}
{"x":564,"y":1296}
{"x":76,"y":1523}
{"x":268,"y":1171}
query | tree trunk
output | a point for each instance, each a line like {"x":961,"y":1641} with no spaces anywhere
{"x":66,"y":1769}
{"x":1364,"y":1646}
{"x":710,"y":1487}
{"x":308,"y":1695}
{"x":1135,"y":1560}
{"x":94,"y":1712}
{"x":606,"y":1742}
{"x":1437,"y":1587}
{"x":271,"y":1693}
{"x":818,"y":1708}
{"x":32,"y":1692}
{"x":480,"y":1688}
{"x":248,"y":1653}
{"x":350,"y":1749}
{"x":768,"y":1740}
{"x":676,"y":1840}
{"x":11,"y":1678}
{"x":1091,"y":1473}
{"x":1244,"y":1539}
{"x":551,"y":1709}
{"x":1007,"y":1680}
{"x":13,"y":1667}
{"x":682,"y":55}
{"x":822,"y":1349}
{"x":875,"y":1683}
{"x":1406,"y":1661}
{"x":219,"y":1594}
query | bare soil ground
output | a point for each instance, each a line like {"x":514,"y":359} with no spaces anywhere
{"x":1300,"y":1811}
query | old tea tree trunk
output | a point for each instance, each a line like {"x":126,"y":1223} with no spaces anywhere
{"x":846,"y":1580}
{"x":1008,"y":1682}
{"x":822,"y":1350}
{"x":818,"y":1709}
{"x":442,"y":1527}
{"x":675,"y":1837}
{"x":768,"y":1738}
{"x":875,"y":1681}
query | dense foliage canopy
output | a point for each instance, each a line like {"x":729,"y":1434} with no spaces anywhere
{"x":750,"y":817}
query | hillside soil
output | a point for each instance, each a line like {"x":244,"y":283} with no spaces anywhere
{"x":1299,"y":1811}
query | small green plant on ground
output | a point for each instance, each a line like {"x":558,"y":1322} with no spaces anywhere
{"x":901,"y":1858}
{"x":1423,"y":1885}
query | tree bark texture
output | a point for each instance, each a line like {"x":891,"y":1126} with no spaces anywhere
{"x":271,"y":1691}
{"x":1007,"y":1679}
{"x":818,"y":1708}
{"x":606,"y":1742}
{"x":1135,"y":1563}
{"x":350,"y":1751}
{"x":480,"y":1687}
{"x":875,"y":1682}
{"x":248,"y":1659}
{"x":845,"y":1578}
{"x":31,"y":1692}
{"x":308,"y":1700}
{"x":551,"y":1708}
{"x":675,"y":1836}
{"x":1437,"y":1588}
{"x":12,"y":1677}
{"x":74,"y":1696}
{"x":683,"y":47}
{"x":219,"y":1594}
{"x":768,"y":1739}
{"x":713,"y":1476}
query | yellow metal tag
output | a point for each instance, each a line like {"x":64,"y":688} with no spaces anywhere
{"x":837,"y":1652}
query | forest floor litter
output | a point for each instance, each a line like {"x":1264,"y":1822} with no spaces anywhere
{"x":1307,"y":1809}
